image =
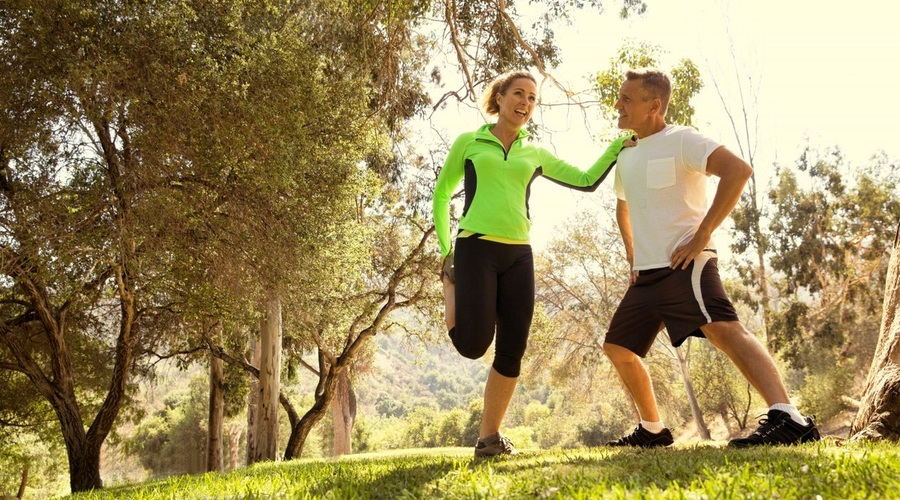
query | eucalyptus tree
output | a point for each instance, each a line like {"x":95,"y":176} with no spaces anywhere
{"x":160,"y":162}
{"x":829,"y":236}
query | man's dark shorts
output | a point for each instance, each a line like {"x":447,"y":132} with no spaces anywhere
{"x":679,"y":300}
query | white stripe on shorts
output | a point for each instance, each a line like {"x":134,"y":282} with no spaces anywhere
{"x":699,"y":263}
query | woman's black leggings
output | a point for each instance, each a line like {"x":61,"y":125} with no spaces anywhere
{"x":494,"y":289}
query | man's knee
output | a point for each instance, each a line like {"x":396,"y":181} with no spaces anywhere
{"x":618,"y":354}
{"x":723,"y":334}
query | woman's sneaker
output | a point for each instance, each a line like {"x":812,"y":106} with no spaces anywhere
{"x":777,"y":427}
{"x":494,"y":445}
{"x":645,"y":439}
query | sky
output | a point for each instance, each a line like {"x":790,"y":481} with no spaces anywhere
{"x":827,"y":70}
{"x":823,"y":72}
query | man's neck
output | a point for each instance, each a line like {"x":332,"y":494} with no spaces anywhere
{"x":650,"y":129}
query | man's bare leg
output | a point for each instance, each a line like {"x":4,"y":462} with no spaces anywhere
{"x":636,"y":379}
{"x":751,"y":358}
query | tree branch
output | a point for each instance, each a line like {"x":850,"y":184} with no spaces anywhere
{"x":457,"y":46}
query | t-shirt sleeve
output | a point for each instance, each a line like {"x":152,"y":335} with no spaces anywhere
{"x":696,"y":148}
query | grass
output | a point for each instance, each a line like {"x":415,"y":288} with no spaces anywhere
{"x":820,"y":470}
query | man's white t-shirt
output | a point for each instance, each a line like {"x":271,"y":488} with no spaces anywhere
{"x":663,"y":180}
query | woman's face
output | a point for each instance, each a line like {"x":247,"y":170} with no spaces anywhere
{"x":517,"y":103}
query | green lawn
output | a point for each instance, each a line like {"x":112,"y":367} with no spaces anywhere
{"x":826,"y":469}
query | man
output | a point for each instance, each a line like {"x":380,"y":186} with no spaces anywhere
{"x":666,"y":227}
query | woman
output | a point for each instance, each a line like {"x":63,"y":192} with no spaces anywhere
{"x":489,"y":279}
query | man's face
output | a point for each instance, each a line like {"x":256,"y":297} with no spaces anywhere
{"x":633,"y":106}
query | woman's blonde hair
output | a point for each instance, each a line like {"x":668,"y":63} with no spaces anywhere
{"x":499,"y":86}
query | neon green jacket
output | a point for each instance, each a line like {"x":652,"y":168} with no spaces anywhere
{"x":498,"y":183}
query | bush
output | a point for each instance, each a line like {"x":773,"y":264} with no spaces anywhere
{"x":822,"y":393}
{"x":522,"y":436}
{"x":450,"y":428}
{"x":376,"y":433}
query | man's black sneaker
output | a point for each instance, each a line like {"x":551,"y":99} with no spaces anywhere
{"x":645,"y":439}
{"x":494,"y":445}
{"x":777,"y":427}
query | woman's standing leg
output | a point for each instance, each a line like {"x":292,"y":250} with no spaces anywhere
{"x":515,"y":308}
{"x":498,"y":393}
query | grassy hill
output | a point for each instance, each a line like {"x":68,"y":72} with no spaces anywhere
{"x":828,"y":469}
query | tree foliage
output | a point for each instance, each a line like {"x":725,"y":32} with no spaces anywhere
{"x":162,"y":163}
{"x":684,"y":76}
{"x":827,"y":240}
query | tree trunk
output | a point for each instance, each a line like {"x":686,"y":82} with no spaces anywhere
{"x":214,"y":458}
{"x":253,"y":402}
{"x":84,"y":464}
{"x":301,"y":431}
{"x":343,"y":412}
{"x":23,"y":483}
{"x":879,"y":414}
{"x":330,"y":367}
{"x":684,"y":365}
{"x":234,"y":440}
{"x":269,"y":382}
{"x":762,"y":283}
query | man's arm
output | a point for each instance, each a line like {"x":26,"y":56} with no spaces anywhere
{"x":733,"y":173}
{"x":627,"y":238}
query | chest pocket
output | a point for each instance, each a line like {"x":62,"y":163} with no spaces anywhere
{"x":661,"y":173}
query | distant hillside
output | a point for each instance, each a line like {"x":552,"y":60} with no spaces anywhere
{"x":407,"y":373}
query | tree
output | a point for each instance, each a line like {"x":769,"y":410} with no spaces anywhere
{"x":173,"y":439}
{"x":578,"y":284}
{"x":401,"y":279}
{"x":269,"y":382}
{"x":487,"y":39}
{"x":748,"y":216}
{"x":64,"y":290}
{"x":214,"y":447}
{"x":827,"y":242}
{"x":343,"y":414}
{"x":720,"y":387}
{"x":129,"y":175}
{"x":878,"y":414}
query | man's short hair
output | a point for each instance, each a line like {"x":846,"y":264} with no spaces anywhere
{"x":656,"y":85}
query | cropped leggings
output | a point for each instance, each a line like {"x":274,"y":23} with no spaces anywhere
{"x":494,"y":292}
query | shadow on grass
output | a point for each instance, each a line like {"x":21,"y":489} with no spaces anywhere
{"x":638,"y":469}
{"x":388,"y":478}
{"x":862,"y":471}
